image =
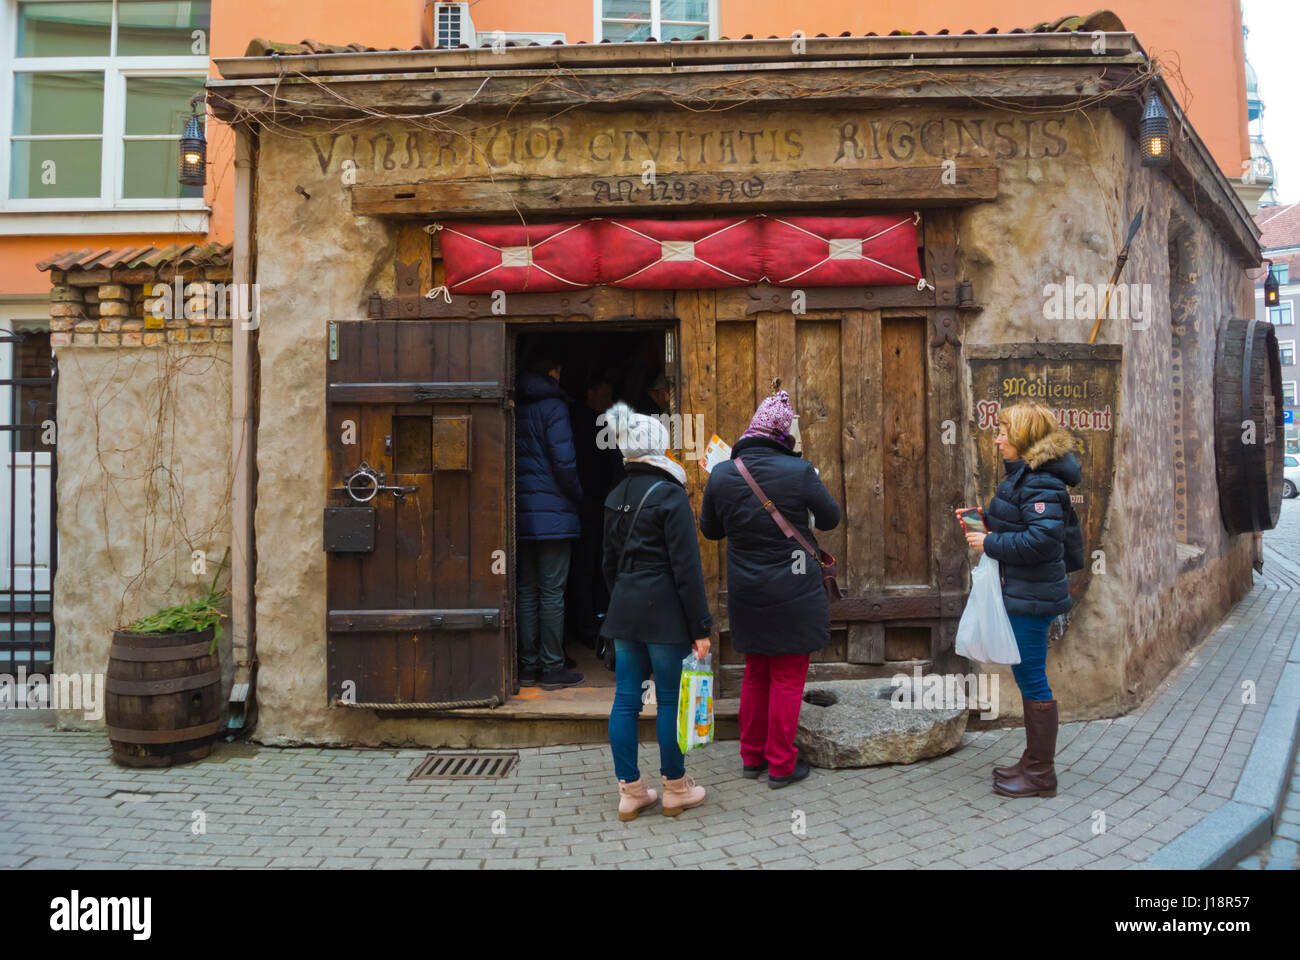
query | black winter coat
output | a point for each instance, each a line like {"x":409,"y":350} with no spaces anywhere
{"x":772,"y":609}
{"x":1026,"y":519}
{"x":547,"y":490}
{"x":659,"y":595}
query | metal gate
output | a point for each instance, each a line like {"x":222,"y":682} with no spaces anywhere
{"x":28,"y":536}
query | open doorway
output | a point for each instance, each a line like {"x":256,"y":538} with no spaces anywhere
{"x":598,"y":365}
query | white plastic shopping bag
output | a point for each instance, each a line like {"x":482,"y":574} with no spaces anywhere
{"x":984,"y":633}
{"x":695,"y":703}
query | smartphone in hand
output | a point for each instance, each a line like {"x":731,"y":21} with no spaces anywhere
{"x":972,"y":520}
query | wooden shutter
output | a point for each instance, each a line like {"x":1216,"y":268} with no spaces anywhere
{"x":419,"y":620}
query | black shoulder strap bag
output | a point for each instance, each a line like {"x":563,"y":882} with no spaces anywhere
{"x":608,"y":657}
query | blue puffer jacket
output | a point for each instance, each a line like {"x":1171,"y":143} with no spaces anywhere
{"x":1026,"y":519}
{"x":547,"y":490}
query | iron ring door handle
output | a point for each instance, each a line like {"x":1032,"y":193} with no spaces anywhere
{"x":363,"y":483}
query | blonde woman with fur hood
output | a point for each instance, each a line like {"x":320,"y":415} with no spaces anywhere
{"x":1027,"y":522}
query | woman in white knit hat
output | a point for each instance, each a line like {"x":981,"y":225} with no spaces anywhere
{"x":658,"y":610}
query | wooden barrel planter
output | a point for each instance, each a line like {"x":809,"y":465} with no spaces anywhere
{"x":1248,"y":406}
{"x":163,"y":697}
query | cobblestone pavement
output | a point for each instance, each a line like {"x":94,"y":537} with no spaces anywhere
{"x":1153,"y":774}
{"x":1282,"y":852}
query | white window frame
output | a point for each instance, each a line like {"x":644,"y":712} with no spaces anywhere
{"x":1290,"y":306}
{"x":520,"y":38}
{"x":656,"y":21}
{"x":468,"y":33}
{"x":1294,"y":398}
{"x":1286,"y":343}
{"x":116,"y":71}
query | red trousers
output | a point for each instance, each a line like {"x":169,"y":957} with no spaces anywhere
{"x":770,"y":696}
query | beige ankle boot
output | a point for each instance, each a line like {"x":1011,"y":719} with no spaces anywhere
{"x":633,"y":798}
{"x":681,"y":795}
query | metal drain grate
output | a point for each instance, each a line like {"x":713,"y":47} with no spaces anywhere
{"x":465,"y":766}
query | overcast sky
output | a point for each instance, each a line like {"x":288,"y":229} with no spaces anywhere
{"x":1272,"y":49}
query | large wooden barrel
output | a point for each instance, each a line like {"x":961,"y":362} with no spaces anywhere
{"x":1248,"y":425}
{"x":163,"y":698}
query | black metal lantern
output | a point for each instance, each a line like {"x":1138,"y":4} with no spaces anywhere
{"x":1154,"y":131}
{"x":1270,"y":286}
{"x":194,"y":149}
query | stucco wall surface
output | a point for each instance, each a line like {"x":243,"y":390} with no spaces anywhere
{"x":1067,"y":216}
{"x":144,"y":481}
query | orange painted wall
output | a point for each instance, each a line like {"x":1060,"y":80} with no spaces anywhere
{"x":1199,"y":41}
{"x":381,"y":23}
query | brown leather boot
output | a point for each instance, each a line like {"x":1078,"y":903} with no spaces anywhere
{"x":1017,"y":768}
{"x":1038,"y":777}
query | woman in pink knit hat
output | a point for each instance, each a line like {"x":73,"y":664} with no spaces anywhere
{"x":776,"y":601}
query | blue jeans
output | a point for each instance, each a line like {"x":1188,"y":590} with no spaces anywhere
{"x":1031,"y":671}
{"x":543,"y":571}
{"x":633,"y":663}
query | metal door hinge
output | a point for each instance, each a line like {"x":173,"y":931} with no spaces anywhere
{"x":334,"y":340}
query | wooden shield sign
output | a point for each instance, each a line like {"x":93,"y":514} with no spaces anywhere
{"x":1080,"y":382}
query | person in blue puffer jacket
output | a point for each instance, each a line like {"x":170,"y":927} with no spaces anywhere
{"x":547,"y":498}
{"x":1027,"y":520}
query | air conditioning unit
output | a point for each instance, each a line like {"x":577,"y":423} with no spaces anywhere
{"x":448,"y":25}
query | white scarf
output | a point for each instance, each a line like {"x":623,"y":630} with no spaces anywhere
{"x":663,"y":463}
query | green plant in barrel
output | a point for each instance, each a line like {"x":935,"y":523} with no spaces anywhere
{"x":198,"y":614}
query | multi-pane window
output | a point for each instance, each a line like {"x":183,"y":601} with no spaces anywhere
{"x":100,"y":94}
{"x":1286,"y":352}
{"x":1288,"y":392}
{"x":1280,"y":272}
{"x":449,"y":26}
{"x":32,"y":364}
{"x":1281,"y":315}
{"x":662,"y":19}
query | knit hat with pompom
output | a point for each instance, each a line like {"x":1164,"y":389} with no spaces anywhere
{"x":636,"y":434}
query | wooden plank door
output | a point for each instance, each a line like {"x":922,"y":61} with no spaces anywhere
{"x":873,"y":390}
{"x":418,"y":604}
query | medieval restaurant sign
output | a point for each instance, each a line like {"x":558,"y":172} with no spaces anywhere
{"x":1080,"y":382}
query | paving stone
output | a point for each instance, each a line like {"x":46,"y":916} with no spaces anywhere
{"x":1156,"y":773}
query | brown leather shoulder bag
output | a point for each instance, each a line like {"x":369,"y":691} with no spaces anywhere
{"x":824,"y":559}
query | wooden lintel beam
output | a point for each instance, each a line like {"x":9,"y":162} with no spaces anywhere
{"x":894,"y":187}
{"x":471,"y":306}
{"x":764,"y":298}
{"x":411,"y":392}
{"x":382,"y":621}
{"x":938,"y":82}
